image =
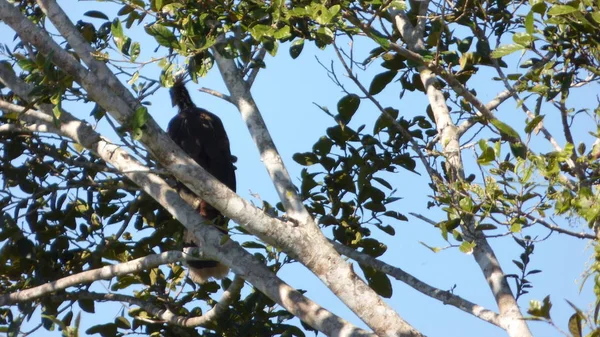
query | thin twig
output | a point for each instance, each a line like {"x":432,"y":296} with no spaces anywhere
{"x":261,"y":55}
{"x":397,"y":126}
{"x":216,"y":94}
{"x":580,"y":235}
{"x":445,"y":297}
{"x":165,"y":315}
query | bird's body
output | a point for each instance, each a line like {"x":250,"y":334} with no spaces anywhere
{"x":202,"y":136}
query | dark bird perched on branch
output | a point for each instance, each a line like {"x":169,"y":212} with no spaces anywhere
{"x":202,"y":136}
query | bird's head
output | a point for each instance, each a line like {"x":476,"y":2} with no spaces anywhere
{"x":179,"y":94}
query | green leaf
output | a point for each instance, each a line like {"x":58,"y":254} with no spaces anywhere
{"x":529,"y":28}
{"x":334,"y":10}
{"x":86,"y":305}
{"x":27,"y":65}
{"x":260,"y":31}
{"x":296,"y":48}
{"x":271,"y":47}
{"x":393,"y":61}
{"x":538,"y":6}
{"x":323,"y":146}
{"x":162,"y":35}
{"x":125,"y":10}
{"x":96,"y":14}
{"x":531,"y":125}
{"x":105,"y":330}
{"x":117,"y":30}
{"x":122,"y":322}
{"x":433,"y":249}
{"x":518,"y":150}
{"x":172,"y":8}
{"x":305,"y":159}
{"x":467,"y":247}
{"x":466,"y":204}
{"x":506,"y":50}
{"x":387,"y":229}
{"x":134,"y":52}
{"x":381,"y":40}
{"x":55,"y":321}
{"x":140,"y":117}
{"x":486,"y":227}
{"x":464,"y":45}
{"x":383,"y":121}
{"x":506,"y":130}
{"x":575,"y":325}
{"x":251,"y":244}
{"x":561,"y":10}
{"x":67,"y":318}
{"x":540,"y":309}
{"x":380,"y":81}
{"x":324,"y":35}
{"x":383,"y":182}
{"x":396,"y":215}
{"x":374,"y":206}
{"x":56,"y":111}
{"x":381,"y":284}
{"x":523,"y":39}
{"x":347,"y":106}
{"x":283,"y":33}
{"x":134,"y":78}
{"x":487,"y":156}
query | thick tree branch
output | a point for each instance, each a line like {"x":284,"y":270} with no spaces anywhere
{"x":445,"y":297}
{"x":167,"y":153}
{"x":312,"y":249}
{"x":512,"y":320}
{"x":239,"y":92}
{"x":166,"y":315}
{"x":304,"y":243}
{"x":209,"y":239}
{"x":104,"y":273}
{"x":63,"y":24}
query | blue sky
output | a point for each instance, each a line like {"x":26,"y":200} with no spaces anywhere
{"x":285,"y":93}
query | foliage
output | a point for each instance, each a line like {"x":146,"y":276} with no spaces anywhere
{"x":62,"y":205}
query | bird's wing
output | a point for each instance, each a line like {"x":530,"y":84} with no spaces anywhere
{"x":202,"y":136}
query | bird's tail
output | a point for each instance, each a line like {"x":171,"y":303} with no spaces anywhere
{"x":202,"y":275}
{"x":180,"y":95}
{"x":202,"y":270}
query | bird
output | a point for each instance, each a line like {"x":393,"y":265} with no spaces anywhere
{"x":202,"y":136}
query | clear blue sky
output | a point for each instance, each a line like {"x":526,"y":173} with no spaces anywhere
{"x":285,"y":93}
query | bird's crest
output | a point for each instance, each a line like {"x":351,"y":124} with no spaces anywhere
{"x":179,"y":94}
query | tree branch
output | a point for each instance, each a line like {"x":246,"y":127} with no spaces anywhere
{"x":217,"y":94}
{"x":304,"y":243}
{"x":413,"y":144}
{"x":104,"y":273}
{"x":484,"y":255}
{"x":580,"y":235}
{"x":209,"y":238}
{"x":242,"y":99}
{"x":445,"y":297}
{"x":254,"y":72}
{"x":166,"y":315}
{"x":312,"y":249}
